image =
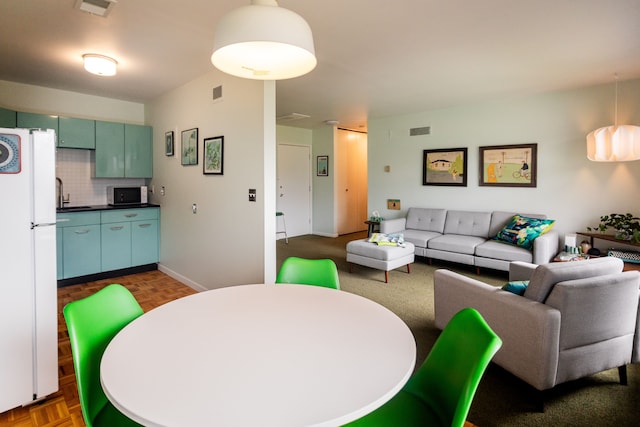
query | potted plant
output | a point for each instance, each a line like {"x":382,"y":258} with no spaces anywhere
{"x":627,"y":226}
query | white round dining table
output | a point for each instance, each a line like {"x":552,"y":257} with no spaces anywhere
{"x":258,"y":355}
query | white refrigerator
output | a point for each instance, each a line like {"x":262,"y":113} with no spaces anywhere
{"x":28,"y":288}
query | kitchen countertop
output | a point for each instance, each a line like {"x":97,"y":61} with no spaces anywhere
{"x":68,"y":209}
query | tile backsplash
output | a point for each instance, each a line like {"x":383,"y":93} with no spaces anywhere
{"x":74,"y":167}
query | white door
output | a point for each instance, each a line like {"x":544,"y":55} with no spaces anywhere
{"x":293,"y":196}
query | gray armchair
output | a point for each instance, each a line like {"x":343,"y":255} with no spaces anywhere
{"x":574,"y":319}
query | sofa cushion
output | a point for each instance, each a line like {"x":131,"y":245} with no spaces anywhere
{"x":419,"y":237}
{"x":426,"y":219}
{"x":468,"y":223}
{"x":546,"y":276}
{"x":499,"y":250}
{"x":523,"y":230}
{"x":455,"y":243}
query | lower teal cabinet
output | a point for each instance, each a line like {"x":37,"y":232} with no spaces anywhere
{"x":116,"y":246}
{"x":129,"y":237}
{"x":79,"y":247}
{"x":144,"y":242}
{"x":99,"y":241}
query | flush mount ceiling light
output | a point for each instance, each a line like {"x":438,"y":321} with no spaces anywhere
{"x":100,"y":64}
{"x":614,"y":143}
{"x":263,"y":42}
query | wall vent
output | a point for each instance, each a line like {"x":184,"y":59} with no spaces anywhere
{"x":292,"y":117}
{"x":96,"y":7}
{"x":217,"y":93}
{"x":420,"y":131}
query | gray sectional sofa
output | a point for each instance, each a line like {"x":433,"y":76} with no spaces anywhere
{"x":466,"y":237}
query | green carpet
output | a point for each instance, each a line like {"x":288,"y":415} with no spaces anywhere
{"x":501,"y":399}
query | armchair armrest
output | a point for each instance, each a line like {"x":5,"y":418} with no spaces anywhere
{"x":529,"y":330}
{"x":519,"y":270}
{"x":393,"y":225}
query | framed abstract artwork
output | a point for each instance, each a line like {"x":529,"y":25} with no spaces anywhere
{"x":446,"y":167}
{"x":323,"y":166}
{"x":509,"y":165}
{"x":168,"y":143}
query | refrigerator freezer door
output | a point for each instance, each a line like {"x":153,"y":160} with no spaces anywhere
{"x":44,"y":177}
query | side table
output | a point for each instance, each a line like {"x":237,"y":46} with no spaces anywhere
{"x":373,"y":227}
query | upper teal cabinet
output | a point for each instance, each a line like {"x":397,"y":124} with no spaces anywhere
{"x":7,"y":118}
{"x":123,"y":151}
{"x":138,"y":151}
{"x":76,"y":133}
{"x":37,"y":121}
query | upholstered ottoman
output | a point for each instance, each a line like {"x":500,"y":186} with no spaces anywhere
{"x":385,"y":258}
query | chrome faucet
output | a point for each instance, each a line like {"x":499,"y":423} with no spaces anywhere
{"x":61,"y":199}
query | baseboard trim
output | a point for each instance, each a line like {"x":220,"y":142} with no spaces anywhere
{"x":107,"y":275}
{"x":182,"y":279}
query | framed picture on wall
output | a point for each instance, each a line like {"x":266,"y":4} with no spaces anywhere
{"x":509,"y":165}
{"x":323,"y":166}
{"x":168,"y":143}
{"x":213,"y":155}
{"x":447,"y":166}
{"x":189,"y":148}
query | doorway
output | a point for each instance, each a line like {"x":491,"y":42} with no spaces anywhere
{"x":293,"y":196}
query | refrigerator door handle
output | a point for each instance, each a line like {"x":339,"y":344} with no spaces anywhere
{"x":44,"y":224}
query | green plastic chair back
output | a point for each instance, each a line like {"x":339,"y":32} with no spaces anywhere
{"x":92,"y":323}
{"x":441,"y":392}
{"x":318,"y":272}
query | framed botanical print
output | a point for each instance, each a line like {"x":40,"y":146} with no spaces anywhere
{"x":189,"y":148}
{"x":213,"y":156}
{"x":168,"y":143}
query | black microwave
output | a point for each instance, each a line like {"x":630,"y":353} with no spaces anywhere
{"x":127,"y":195}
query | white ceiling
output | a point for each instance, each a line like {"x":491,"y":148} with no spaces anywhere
{"x":375,"y":58}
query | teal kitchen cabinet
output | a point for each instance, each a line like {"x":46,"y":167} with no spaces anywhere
{"x":59,"y":266}
{"x":129,"y":237}
{"x":8,"y":118}
{"x":123,"y":150}
{"x":80,"y":243}
{"x":138,"y":151}
{"x":76,"y":133}
{"x":109,"y":152}
{"x":37,"y":121}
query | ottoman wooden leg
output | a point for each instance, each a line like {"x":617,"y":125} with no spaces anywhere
{"x":386,"y":277}
{"x":408,"y":268}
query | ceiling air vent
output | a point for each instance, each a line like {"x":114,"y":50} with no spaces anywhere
{"x":96,"y":7}
{"x":291,"y":117}
{"x":420,"y":131}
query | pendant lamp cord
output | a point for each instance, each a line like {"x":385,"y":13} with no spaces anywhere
{"x":615,"y":123}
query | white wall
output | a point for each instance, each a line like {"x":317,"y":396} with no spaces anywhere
{"x":224,"y":243}
{"x":570,"y":188}
{"x":324,"y":207}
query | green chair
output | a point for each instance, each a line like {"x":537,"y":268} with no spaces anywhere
{"x":318,"y":272}
{"x":92,"y":323}
{"x":441,"y":392}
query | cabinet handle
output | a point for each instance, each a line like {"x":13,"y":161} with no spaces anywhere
{"x":144,"y":225}
{"x":117,"y":227}
{"x":85,"y":231}
{"x":131,"y":215}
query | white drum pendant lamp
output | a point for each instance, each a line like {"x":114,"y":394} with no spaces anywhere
{"x":614,"y":143}
{"x":263,"y":42}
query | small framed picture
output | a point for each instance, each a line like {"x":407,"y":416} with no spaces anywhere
{"x":213,"y":156}
{"x":446,"y":167}
{"x":509,"y":165}
{"x":323,"y":166}
{"x":189,"y":148}
{"x":168,"y":143}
